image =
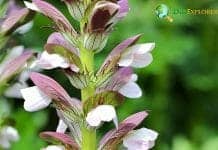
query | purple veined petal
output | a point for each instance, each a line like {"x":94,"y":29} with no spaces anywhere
{"x":57,"y":38}
{"x":54,"y":14}
{"x":113,"y":58}
{"x":13,"y":6}
{"x":64,"y":139}
{"x":52,"y":89}
{"x":115,"y":136}
{"x":117,"y":81}
{"x":12,"y":20}
{"x":15,"y":65}
{"x":124,"y":8}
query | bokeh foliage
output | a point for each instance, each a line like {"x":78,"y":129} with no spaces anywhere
{"x":180,"y":86}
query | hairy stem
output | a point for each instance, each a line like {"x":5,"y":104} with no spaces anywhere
{"x":88,"y":135}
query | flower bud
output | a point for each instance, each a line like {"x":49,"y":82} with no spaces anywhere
{"x":95,"y":41}
{"x":99,"y":25}
{"x":76,"y":8}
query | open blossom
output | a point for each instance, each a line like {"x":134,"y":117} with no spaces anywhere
{"x":141,"y":139}
{"x":102,"y":113}
{"x":8,"y":134}
{"x":124,"y":82}
{"x":137,"y":56}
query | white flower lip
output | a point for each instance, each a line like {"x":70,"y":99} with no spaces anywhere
{"x":62,"y":127}
{"x":8,"y":134}
{"x":141,"y":139}
{"x":102,"y":113}
{"x":35,"y":99}
{"x":131,"y":89}
{"x":137,"y":56}
{"x":51,"y":61}
{"x":31,"y":6}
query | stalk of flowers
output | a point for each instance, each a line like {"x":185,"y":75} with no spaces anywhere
{"x":14,"y":19}
{"x":13,"y":60}
{"x":73,"y":52}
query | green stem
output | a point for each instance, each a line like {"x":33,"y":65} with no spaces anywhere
{"x":88,"y":135}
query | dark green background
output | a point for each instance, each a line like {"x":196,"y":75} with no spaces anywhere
{"x":180,"y":86}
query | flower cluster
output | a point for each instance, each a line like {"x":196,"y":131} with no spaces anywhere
{"x":101,"y":91}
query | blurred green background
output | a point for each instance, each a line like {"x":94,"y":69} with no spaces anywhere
{"x":180,"y":86}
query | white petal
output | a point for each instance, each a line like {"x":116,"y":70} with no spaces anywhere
{"x":106,"y":112}
{"x":31,"y":6}
{"x":141,"y":139}
{"x":8,"y":134}
{"x":142,"y":48}
{"x":134,"y":78}
{"x":131,"y":90}
{"x":62,"y":127}
{"x":4,"y":143}
{"x":14,"y":90}
{"x":51,"y":61}
{"x":24,"y":28}
{"x":54,"y":147}
{"x":93,"y":119}
{"x":126,"y":59}
{"x":102,"y":113}
{"x":141,"y":60}
{"x":35,"y":99}
{"x":11,"y":133}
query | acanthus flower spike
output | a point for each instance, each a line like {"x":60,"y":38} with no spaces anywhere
{"x":101,"y":92}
